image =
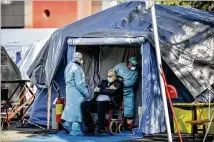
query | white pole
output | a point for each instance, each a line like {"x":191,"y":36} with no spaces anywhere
{"x":209,"y":103}
{"x":49,"y":108}
{"x":210,"y":122}
{"x":158,"y":56}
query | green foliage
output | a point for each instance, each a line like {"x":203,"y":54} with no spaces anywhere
{"x":121,"y":1}
{"x":174,"y":3}
{"x":202,"y":5}
{"x":185,"y":3}
{"x":208,"y":5}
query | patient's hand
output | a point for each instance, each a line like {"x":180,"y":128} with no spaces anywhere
{"x":97,"y":89}
{"x":112,"y":87}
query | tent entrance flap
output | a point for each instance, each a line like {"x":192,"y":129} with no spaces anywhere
{"x":105,"y":41}
{"x":98,"y":60}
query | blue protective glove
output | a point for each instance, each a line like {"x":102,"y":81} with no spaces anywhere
{"x":87,"y":92}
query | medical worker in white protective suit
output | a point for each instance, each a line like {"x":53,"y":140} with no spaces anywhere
{"x":129,"y":73}
{"x":76,"y":93}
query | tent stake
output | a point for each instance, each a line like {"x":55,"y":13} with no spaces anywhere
{"x":49,"y":108}
{"x":158,"y":56}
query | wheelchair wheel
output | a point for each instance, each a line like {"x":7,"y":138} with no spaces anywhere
{"x":121,"y":128}
{"x":113,"y":127}
{"x":1,"y":124}
{"x":4,"y":125}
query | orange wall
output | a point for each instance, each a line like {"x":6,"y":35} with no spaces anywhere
{"x":61,"y":13}
{"x":96,"y":7}
{"x":84,"y":9}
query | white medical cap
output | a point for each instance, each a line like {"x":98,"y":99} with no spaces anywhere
{"x":133,"y":60}
{"x":77,"y":56}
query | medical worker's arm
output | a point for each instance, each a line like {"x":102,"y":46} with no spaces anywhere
{"x":112,"y":92}
{"x":117,"y":67}
{"x":80,"y":83}
{"x":128,"y":82}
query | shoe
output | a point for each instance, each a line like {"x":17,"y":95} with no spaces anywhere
{"x":66,"y":127}
{"x":75,"y":133}
{"x":66,"y":131}
{"x":129,"y":123}
{"x":137,"y":132}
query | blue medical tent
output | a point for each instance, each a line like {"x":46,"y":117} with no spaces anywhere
{"x":112,"y":36}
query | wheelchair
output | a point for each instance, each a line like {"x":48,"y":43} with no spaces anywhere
{"x":114,"y":122}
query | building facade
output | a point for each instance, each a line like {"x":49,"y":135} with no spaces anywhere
{"x":47,"y":14}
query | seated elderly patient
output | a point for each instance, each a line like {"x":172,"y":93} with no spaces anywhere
{"x":107,"y":95}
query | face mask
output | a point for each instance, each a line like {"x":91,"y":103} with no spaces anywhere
{"x":133,"y":68}
{"x":81,"y":62}
{"x":109,"y":79}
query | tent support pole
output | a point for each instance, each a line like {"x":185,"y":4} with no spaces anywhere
{"x":158,"y":56}
{"x":209,"y":103}
{"x":49,"y":108}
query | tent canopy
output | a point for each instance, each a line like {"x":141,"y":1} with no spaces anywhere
{"x":30,"y":56}
{"x":9,"y":72}
{"x":13,"y":41}
{"x":182,"y":31}
{"x":11,"y":37}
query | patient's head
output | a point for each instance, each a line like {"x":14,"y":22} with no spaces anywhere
{"x":111,"y":76}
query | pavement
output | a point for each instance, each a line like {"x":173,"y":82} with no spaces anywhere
{"x":33,"y":134}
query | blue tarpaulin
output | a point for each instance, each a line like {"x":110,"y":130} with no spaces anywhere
{"x":62,"y":137}
{"x":18,"y":57}
{"x":41,"y":100}
{"x":152,"y":120}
